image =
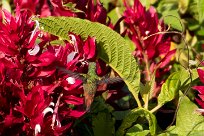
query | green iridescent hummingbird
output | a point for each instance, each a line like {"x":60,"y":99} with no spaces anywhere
{"x":90,"y":82}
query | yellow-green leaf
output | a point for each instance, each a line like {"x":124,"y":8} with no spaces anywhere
{"x":112,"y":48}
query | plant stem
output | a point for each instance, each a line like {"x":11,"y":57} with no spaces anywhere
{"x":138,"y":100}
{"x":146,"y":101}
{"x":156,"y":108}
{"x":147,"y":65}
{"x":148,"y":75}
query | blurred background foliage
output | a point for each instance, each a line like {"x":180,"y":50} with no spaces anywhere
{"x":185,"y":16}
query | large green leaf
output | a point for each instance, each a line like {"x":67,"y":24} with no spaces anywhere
{"x":174,"y":83}
{"x":112,"y":48}
{"x":188,"y":121}
{"x":132,"y":117}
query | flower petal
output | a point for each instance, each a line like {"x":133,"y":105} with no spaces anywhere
{"x":200,"y":89}
{"x":90,"y":48}
{"x":201,"y":75}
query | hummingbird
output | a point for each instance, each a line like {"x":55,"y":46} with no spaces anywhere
{"x":90,"y":82}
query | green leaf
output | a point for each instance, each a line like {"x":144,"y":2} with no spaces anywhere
{"x":112,"y":48}
{"x":71,"y":6}
{"x":146,"y":3}
{"x":185,"y":76}
{"x":200,"y":32}
{"x":132,"y":118}
{"x":193,"y":9}
{"x":137,"y":130}
{"x":6,"y":5}
{"x":57,"y":42}
{"x":130,"y":43}
{"x":197,"y":133}
{"x":146,"y":91}
{"x":174,"y":83}
{"x":103,"y":124}
{"x":105,"y":3}
{"x":193,"y":24}
{"x":170,"y":88}
{"x":201,"y":11}
{"x":120,"y":115}
{"x":183,"y":6}
{"x":196,"y":9}
{"x":114,"y":15}
{"x":169,"y":11}
{"x":172,"y":18}
{"x":188,"y":121}
{"x":99,"y":105}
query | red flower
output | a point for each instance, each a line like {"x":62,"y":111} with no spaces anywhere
{"x":142,"y":23}
{"x":33,"y":105}
{"x":60,"y":10}
{"x":95,"y":13}
{"x":200,"y":89}
{"x":34,"y":95}
{"x":38,"y":7}
{"x":151,"y":50}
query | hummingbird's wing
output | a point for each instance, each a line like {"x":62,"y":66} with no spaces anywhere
{"x":71,"y":73}
{"x":110,"y":80}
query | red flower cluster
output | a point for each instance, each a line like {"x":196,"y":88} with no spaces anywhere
{"x":78,"y":8}
{"x":36,"y":98}
{"x":200,"y":89}
{"x":152,"y":49}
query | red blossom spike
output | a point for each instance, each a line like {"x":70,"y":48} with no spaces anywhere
{"x":200,"y":89}
{"x":201,"y":75}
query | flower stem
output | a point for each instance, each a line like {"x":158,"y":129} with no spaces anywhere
{"x":138,"y":100}
{"x":156,"y":108}
{"x":146,"y":101}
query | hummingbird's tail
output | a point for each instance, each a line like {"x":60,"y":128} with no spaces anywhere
{"x":88,"y":99}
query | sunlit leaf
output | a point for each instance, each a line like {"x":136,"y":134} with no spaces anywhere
{"x":174,"y":83}
{"x":137,"y":130}
{"x":183,"y":5}
{"x":170,"y":88}
{"x":114,"y":14}
{"x":112,"y":48}
{"x":132,"y":117}
{"x":170,"y":14}
{"x":188,"y":121}
{"x":6,"y":5}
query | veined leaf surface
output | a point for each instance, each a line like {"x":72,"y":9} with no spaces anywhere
{"x":188,"y":121}
{"x":112,"y":48}
{"x":132,"y":117}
